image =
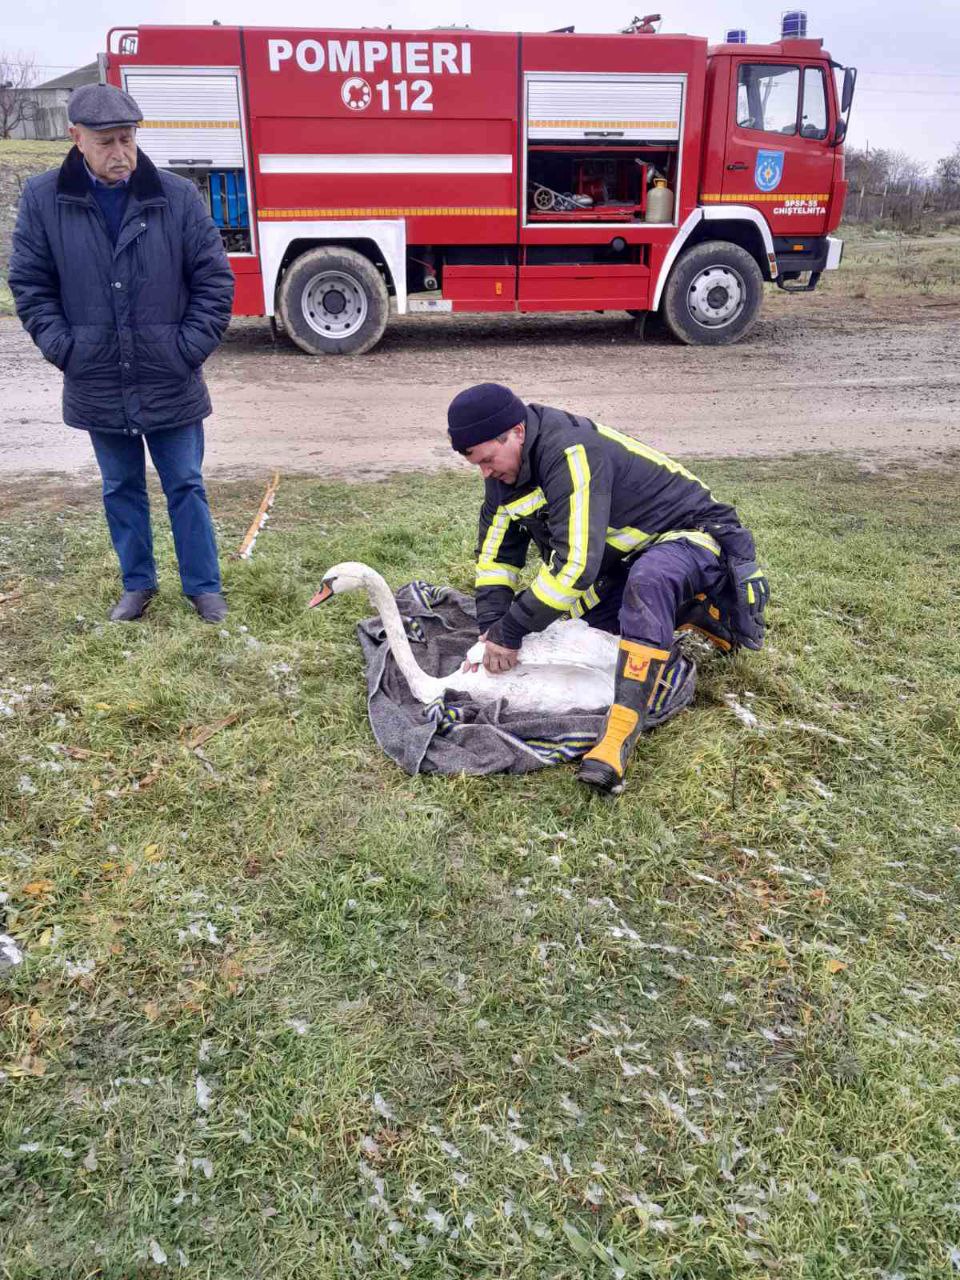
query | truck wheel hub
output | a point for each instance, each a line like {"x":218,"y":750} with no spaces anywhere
{"x":716,"y":296}
{"x":334,"y":304}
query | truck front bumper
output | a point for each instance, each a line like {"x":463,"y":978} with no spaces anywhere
{"x":798,"y":256}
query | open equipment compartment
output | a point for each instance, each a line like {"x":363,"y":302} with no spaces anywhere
{"x":595,"y":143}
{"x":192,"y":125}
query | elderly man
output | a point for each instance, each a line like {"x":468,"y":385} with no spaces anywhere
{"x":631,"y":542}
{"x":120,"y":278}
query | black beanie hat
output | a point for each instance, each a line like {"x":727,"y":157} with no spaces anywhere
{"x":482,"y":413}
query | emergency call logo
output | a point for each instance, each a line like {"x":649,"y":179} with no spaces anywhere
{"x":356,"y":93}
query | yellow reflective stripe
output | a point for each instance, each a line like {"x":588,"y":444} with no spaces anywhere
{"x":551,"y":592}
{"x":501,"y":576}
{"x":487,"y":559}
{"x":666,"y":688}
{"x":578,"y":523}
{"x":589,"y":598}
{"x":696,"y":536}
{"x":526,"y":505}
{"x":490,"y":572}
{"x":627,"y":538}
{"x":652,"y":455}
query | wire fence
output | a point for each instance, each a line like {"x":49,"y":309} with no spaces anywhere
{"x":910,"y":207}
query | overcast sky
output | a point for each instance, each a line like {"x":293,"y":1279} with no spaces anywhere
{"x":908,"y":54}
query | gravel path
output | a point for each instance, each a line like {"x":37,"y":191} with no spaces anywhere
{"x":817,"y":374}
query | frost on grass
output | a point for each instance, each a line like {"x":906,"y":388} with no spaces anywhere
{"x":10,"y":953}
{"x":436,"y":1219}
{"x":382,"y":1107}
{"x":568,"y":1105}
{"x":201,"y":928}
{"x":679,"y":1113}
{"x":743,"y":714}
{"x":204,"y":1096}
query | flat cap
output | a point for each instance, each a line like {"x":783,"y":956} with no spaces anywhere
{"x":101,"y":106}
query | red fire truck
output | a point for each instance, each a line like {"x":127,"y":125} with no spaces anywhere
{"x":460,"y":170}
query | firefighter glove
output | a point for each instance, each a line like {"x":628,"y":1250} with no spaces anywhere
{"x":751,"y":591}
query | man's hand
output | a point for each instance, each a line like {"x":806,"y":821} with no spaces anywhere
{"x":496,"y":658}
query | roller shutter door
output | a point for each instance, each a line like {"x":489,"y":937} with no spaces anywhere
{"x":617,"y":106}
{"x":189,"y":120}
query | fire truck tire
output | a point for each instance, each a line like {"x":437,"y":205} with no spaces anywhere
{"x":713,"y":294}
{"x":333,"y":302}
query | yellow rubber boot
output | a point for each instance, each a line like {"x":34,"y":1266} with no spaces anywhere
{"x":639,"y":667}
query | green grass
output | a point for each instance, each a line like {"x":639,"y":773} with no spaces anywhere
{"x":19,"y":159}
{"x":489,"y":1027}
{"x":884,"y":265}
{"x":30,"y":153}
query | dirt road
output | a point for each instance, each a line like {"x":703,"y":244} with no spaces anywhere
{"x":817,"y":374}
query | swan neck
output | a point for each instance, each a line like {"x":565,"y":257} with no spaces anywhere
{"x":424,"y":687}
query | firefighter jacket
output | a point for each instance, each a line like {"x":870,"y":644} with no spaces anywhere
{"x":589,"y":498}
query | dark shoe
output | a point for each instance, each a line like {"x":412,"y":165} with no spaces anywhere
{"x":210,"y":605}
{"x":132,"y":605}
{"x":706,"y":619}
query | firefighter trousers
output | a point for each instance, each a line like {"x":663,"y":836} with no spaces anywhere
{"x":657,"y":592}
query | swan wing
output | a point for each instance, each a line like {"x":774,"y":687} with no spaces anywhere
{"x":556,"y":689}
{"x":572,"y":643}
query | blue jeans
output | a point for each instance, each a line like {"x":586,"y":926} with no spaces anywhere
{"x":178,"y":457}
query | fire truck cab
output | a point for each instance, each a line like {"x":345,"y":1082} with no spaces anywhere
{"x":459,"y":170}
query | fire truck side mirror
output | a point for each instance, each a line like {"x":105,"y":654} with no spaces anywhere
{"x":849,"y":84}
{"x":839,"y":133}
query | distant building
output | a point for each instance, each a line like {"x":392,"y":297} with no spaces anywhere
{"x":48,"y":119}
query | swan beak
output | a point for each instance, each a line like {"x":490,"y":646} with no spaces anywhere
{"x":325,"y":592}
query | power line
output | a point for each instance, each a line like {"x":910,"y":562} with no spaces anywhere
{"x":923,"y":93}
{"x":52,"y":66}
{"x":916,"y":75}
{"x":901,"y":111}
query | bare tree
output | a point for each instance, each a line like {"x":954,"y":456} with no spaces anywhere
{"x":903,"y":171}
{"x":948,"y":173}
{"x":17,"y":104}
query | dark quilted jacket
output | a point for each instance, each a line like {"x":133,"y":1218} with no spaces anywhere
{"x":130,"y":326}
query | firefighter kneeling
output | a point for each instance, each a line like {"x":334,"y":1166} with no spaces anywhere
{"x":631,"y":542}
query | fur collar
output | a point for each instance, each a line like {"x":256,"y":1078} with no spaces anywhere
{"x":73,"y":183}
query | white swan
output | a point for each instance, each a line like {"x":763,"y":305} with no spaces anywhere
{"x":568,"y":666}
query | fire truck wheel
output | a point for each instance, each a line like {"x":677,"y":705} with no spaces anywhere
{"x":334,"y":302}
{"x":713,"y":294}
